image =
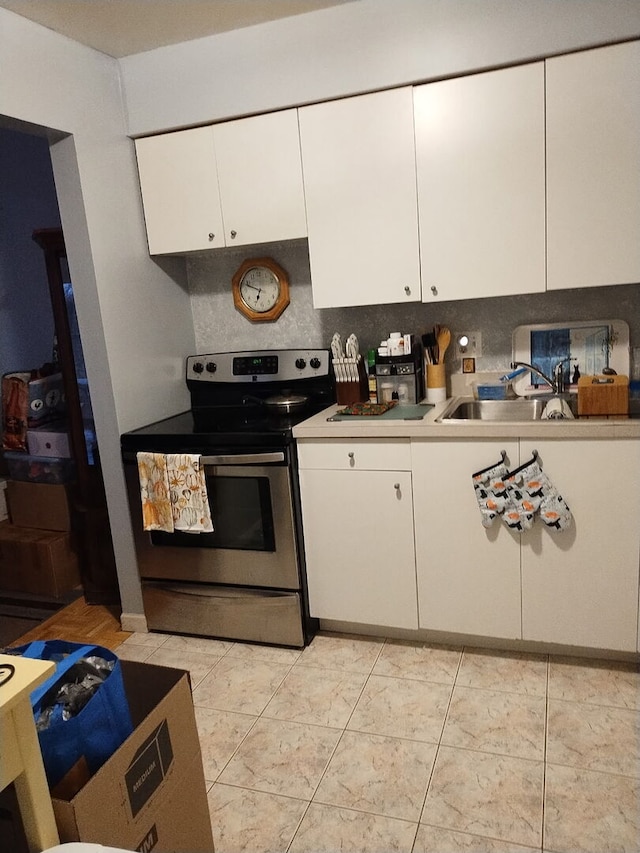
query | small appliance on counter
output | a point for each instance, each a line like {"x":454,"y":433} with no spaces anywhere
{"x":401,"y":377}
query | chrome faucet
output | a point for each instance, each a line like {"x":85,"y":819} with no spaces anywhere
{"x":558,"y":376}
{"x":556,"y":384}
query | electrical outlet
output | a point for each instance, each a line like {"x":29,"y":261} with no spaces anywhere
{"x":468,"y":344}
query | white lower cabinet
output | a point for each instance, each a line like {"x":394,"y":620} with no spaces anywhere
{"x":357,"y":512}
{"x":468,"y":576}
{"x":576,"y":588}
{"x":382,"y":516}
{"x":581,"y":587}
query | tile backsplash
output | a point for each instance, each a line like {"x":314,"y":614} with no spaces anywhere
{"x":219,"y":326}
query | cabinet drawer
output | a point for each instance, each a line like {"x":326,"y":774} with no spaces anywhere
{"x":356,"y":454}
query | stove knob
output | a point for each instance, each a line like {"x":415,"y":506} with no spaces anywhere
{"x":315,"y":363}
{"x":198,"y":367}
{"x":301,"y":363}
{"x":211,"y":367}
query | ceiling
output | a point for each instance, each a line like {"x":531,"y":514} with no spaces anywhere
{"x":123,"y":27}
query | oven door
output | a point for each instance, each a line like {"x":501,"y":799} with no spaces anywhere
{"x":254,"y":541}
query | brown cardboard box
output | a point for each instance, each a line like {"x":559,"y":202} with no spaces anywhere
{"x":41,"y":562}
{"x":41,"y":505}
{"x":151,"y":794}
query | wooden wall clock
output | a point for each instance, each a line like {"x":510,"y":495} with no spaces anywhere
{"x":260,"y":289}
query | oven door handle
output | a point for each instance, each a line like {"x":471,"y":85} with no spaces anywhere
{"x":243,"y":459}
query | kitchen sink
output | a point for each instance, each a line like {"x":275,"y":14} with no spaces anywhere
{"x":504,"y":411}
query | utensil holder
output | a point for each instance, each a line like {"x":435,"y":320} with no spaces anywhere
{"x":353,"y":391}
{"x":436,"y":383}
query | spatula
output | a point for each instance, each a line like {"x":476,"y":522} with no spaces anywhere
{"x":444,"y":339}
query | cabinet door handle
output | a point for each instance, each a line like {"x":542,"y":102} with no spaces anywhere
{"x":212,"y":236}
{"x":407,"y":290}
{"x":233,"y":234}
{"x":351,"y":455}
{"x":434,"y":290}
{"x":396,"y":486}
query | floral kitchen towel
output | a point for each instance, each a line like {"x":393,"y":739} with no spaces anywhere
{"x":173,"y":490}
{"x":154,"y":492}
{"x":188,"y":493}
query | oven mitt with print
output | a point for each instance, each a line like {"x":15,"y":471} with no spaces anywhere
{"x":491,"y":491}
{"x":519,"y":509}
{"x":532,"y":491}
{"x":555,"y":513}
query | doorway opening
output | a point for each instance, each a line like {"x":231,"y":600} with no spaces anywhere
{"x":40,"y":325}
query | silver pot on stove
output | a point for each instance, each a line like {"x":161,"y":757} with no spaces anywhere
{"x":284,"y":403}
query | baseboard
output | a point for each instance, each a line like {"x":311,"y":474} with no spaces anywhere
{"x":135,"y":622}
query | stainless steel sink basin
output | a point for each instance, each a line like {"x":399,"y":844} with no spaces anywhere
{"x":503,"y":411}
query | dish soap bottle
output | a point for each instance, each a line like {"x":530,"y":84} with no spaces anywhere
{"x":576,"y":376}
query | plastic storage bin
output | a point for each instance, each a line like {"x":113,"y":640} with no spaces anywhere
{"x":39,"y":469}
{"x":493,"y":390}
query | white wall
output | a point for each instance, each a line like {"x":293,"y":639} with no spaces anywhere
{"x":135,"y":320}
{"x":371,"y":44}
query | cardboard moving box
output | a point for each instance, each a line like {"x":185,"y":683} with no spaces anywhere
{"x":151,"y":794}
{"x":41,"y":505}
{"x":41,"y":562}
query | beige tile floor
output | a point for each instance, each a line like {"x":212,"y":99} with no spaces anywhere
{"x":375,"y":746}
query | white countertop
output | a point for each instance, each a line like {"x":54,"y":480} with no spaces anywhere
{"x":375,"y":427}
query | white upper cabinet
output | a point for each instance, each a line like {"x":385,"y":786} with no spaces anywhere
{"x":358,"y":159}
{"x":229,"y":184}
{"x":260,"y":178}
{"x":593,"y":167}
{"x":179,"y":183}
{"x":480,"y":151}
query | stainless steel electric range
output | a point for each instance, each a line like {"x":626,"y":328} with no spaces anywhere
{"x":246,"y":580}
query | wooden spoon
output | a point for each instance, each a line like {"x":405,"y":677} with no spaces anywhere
{"x":444,"y":339}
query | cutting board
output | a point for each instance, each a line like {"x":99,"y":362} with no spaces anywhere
{"x":413,"y":411}
{"x":603,"y":396}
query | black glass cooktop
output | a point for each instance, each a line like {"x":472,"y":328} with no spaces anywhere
{"x":219,"y":427}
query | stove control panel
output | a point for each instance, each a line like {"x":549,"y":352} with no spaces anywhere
{"x":284,"y":365}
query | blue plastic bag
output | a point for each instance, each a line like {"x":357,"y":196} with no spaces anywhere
{"x":98,"y":728}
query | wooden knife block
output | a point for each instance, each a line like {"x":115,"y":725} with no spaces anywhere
{"x":353,"y":392}
{"x":603,"y":396}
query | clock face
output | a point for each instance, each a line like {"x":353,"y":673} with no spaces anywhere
{"x":259,"y":289}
